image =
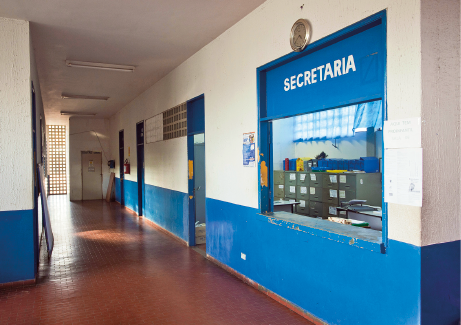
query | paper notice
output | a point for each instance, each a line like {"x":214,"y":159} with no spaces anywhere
{"x":292,"y":201}
{"x":312,"y":190}
{"x":303,"y":190}
{"x":403,"y":176}
{"x":342,"y":194}
{"x":313,"y":177}
{"x":249,"y":149}
{"x":292,"y":176}
{"x":342,"y":179}
{"x":292,"y":189}
{"x":333,"y":193}
{"x":302,"y":177}
{"x":332,"y":210}
{"x":333,"y":179}
{"x":302,"y":203}
{"x":404,"y":133}
{"x":281,"y":186}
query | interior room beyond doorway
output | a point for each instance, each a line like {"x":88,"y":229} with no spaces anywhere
{"x":328,"y":165}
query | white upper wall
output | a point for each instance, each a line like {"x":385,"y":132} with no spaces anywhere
{"x":83,"y":136}
{"x":225,"y":71}
{"x":16,"y":190}
{"x":440,"y":34}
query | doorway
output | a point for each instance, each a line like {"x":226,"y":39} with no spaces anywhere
{"x":122,"y":161}
{"x":199,"y":177}
{"x":197,"y":181}
{"x":140,"y":164}
{"x":34,"y":172}
{"x":91,"y":175}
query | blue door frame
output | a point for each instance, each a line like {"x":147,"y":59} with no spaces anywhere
{"x":34,"y":171}
{"x":267,"y":92}
{"x":121,"y":152}
{"x":195,"y":125}
{"x":140,"y":165}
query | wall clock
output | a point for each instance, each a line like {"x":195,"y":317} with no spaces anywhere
{"x":300,"y":35}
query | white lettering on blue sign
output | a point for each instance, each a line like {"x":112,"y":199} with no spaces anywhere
{"x":340,"y":67}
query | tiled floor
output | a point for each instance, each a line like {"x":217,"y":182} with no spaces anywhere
{"x":109,"y":267}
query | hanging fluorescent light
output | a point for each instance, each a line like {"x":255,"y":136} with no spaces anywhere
{"x":79,"y":114}
{"x":101,"y":66}
{"x":67,"y":96}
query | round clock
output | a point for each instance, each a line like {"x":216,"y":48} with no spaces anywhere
{"x":300,"y":35}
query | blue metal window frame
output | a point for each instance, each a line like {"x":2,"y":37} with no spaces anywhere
{"x":265,"y":143}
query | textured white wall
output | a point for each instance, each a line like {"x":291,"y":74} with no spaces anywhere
{"x":440,"y":34}
{"x":225,"y":71}
{"x":82,"y":138}
{"x":16,"y":190}
{"x":166,"y":161}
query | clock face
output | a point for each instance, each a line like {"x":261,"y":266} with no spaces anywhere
{"x":300,"y":35}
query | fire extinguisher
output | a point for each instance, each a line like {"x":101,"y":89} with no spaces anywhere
{"x":126,"y":167}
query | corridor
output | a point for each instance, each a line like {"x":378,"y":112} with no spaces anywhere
{"x":109,"y":267}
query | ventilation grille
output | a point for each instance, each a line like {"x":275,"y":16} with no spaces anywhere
{"x":57,"y":159}
{"x":175,"y":122}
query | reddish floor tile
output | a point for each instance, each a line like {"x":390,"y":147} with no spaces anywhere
{"x":110,"y":267}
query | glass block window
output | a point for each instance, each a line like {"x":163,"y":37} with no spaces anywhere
{"x":57,"y":159}
{"x":175,"y":122}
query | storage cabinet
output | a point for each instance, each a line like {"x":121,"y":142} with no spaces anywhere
{"x":316,"y":209}
{"x":279,"y":190}
{"x":302,"y":207}
{"x":290,"y":191}
{"x":320,"y":193}
{"x":302,"y":193}
{"x":279,"y":177}
{"x":290,"y":178}
{"x":302,"y":179}
{"x":316,"y":179}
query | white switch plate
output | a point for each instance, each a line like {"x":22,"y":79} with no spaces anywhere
{"x":243,"y":256}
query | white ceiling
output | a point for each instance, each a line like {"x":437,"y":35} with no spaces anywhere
{"x":154,"y":35}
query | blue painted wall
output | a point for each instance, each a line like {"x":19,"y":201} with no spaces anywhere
{"x":118,"y":193}
{"x":169,"y":209}
{"x":336,"y":282}
{"x":131,"y":194}
{"x":16,"y":246}
{"x":440,"y":283}
{"x":130,"y":190}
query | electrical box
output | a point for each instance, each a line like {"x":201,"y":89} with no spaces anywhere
{"x":111,"y":163}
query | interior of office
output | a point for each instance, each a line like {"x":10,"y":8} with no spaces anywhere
{"x":328,"y":165}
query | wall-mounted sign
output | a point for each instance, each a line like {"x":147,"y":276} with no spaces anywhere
{"x":348,"y":71}
{"x":249,"y":149}
{"x":300,"y":35}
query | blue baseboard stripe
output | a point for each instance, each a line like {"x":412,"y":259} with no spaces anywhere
{"x":269,"y":293}
{"x":17,"y":246}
